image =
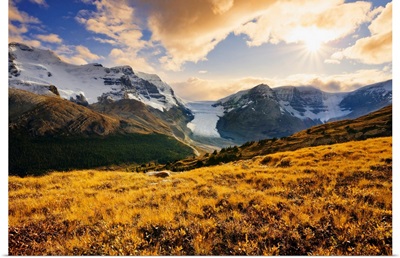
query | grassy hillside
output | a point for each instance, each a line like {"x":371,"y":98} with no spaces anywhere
{"x":37,"y":155}
{"x":326,"y":200}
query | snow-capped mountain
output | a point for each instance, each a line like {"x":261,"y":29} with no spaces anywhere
{"x":140,"y":102}
{"x":264,"y":112}
{"x":36,"y":70}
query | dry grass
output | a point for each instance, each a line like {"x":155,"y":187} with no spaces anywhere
{"x":326,"y":200}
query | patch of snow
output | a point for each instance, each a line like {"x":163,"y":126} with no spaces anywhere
{"x":330,"y":102}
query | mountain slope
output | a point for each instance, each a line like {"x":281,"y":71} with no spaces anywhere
{"x":51,"y":133}
{"x":38,"y":115}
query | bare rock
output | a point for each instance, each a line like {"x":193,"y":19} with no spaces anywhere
{"x":163,"y":173}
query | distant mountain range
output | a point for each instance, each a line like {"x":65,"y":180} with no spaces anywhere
{"x":264,"y":112}
{"x":91,"y":99}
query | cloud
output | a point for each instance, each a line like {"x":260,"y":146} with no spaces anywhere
{"x":115,"y":21}
{"x":332,"y":61}
{"x":221,"y":6}
{"x":51,"y":38}
{"x":15,"y":15}
{"x":195,"y":89}
{"x":342,"y":82}
{"x":293,"y":21}
{"x":85,"y":53}
{"x":199,"y":89}
{"x":375,"y":49}
{"x":108,"y":41}
{"x":189,"y":30}
{"x":120,"y":57}
{"x":18,"y":25}
{"x":40,"y":2}
{"x":78,"y":55}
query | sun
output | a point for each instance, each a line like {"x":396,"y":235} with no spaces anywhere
{"x":312,"y":45}
{"x":312,"y":38}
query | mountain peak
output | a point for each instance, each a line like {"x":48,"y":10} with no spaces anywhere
{"x":261,"y":87}
{"x":21,"y":46}
{"x":262,"y":91}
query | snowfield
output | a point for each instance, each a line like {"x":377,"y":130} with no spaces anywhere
{"x":38,"y":68}
{"x":331,"y":103}
{"x":205,"y":118}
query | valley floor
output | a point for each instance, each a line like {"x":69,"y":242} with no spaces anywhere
{"x":326,"y":200}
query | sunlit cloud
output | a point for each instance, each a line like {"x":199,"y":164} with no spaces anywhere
{"x":51,"y":38}
{"x":115,"y":21}
{"x":189,"y":30}
{"x":221,"y":6}
{"x":40,"y":2}
{"x":85,"y":53}
{"x":332,"y":61}
{"x":377,"y":48}
{"x":120,"y":57}
{"x":319,"y":22}
{"x":200,"y":89}
{"x":108,"y":41}
{"x":15,"y":15}
{"x":78,"y":55}
{"x":18,"y":25}
{"x":342,"y":82}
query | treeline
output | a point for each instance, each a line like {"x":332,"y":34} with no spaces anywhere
{"x":36,"y":156}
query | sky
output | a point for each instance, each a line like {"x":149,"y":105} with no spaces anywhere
{"x":208,"y":49}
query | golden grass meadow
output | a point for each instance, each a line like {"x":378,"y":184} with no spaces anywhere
{"x":326,"y":200}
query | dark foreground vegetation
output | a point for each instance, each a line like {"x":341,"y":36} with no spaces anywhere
{"x":37,"y":155}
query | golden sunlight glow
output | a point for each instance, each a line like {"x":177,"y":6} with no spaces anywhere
{"x":312,"y":37}
{"x":312,"y":45}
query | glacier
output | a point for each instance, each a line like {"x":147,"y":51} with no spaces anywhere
{"x":205,"y":119}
